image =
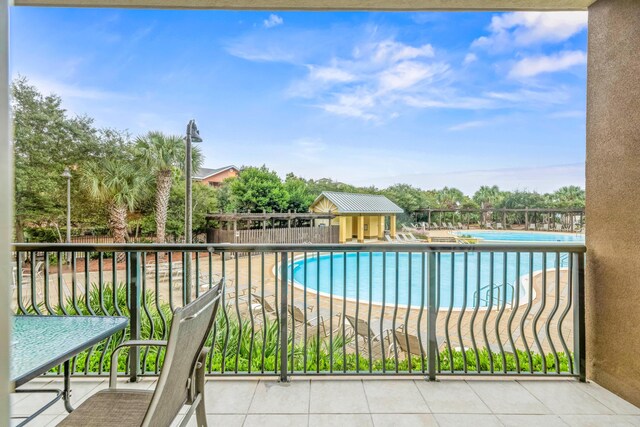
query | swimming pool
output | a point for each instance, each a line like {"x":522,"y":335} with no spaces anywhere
{"x":522,"y":236}
{"x":398,"y":278}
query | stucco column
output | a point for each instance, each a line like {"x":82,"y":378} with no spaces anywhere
{"x":613,"y":197}
{"x":392,"y":226}
{"x":342,"y":234}
{"x":381,"y":228}
{"x":360,"y":229}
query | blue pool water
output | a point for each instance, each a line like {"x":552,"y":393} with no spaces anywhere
{"x":522,"y":236}
{"x":392,"y":278}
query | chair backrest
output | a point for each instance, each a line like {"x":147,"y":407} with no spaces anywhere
{"x":265,"y":304}
{"x":364,"y":330}
{"x":297,"y":314}
{"x":414,"y":346}
{"x":190,"y":329}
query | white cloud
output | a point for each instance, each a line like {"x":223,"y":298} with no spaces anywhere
{"x":72,"y":91}
{"x":532,"y":66}
{"x":469,"y":125}
{"x":470,"y":58}
{"x":530,"y":28}
{"x":330,"y":74}
{"x":273,"y":21}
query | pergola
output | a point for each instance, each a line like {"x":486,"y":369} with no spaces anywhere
{"x":526,"y":213}
{"x":233,"y":219}
{"x":612,"y":172}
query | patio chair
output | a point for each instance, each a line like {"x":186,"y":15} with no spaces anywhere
{"x":532,"y":227}
{"x":558,"y":227}
{"x":460,"y":226}
{"x":489,"y":226}
{"x":367,"y":334}
{"x":450,"y":226}
{"x":434,"y":226}
{"x":181,"y":381}
{"x":499,"y":226}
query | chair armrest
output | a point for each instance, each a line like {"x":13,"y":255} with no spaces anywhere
{"x":113,"y":370}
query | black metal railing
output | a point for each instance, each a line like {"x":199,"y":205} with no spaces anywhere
{"x":370,"y":309}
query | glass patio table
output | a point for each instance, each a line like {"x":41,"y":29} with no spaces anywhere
{"x":40,"y":343}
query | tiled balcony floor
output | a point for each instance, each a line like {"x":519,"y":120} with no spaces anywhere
{"x":384,"y":402}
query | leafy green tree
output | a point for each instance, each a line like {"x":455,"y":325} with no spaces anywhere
{"x":120,"y":184}
{"x":162,"y":154}
{"x":568,"y":197}
{"x":300,"y":198}
{"x":258,"y":189}
{"x":46,"y":140}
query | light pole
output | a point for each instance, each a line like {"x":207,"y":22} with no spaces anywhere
{"x":67,"y":174}
{"x":192,"y":136}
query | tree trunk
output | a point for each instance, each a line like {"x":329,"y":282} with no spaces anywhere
{"x":163,"y":189}
{"x":118,"y":223}
{"x":19,"y":229}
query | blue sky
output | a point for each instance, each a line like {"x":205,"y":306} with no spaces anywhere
{"x":429,"y":99}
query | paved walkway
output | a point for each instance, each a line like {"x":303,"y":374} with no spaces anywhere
{"x":385,"y":402}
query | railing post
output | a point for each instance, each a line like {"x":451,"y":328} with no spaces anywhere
{"x":432,"y":344}
{"x":579,"y":338}
{"x":284,"y":339}
{"x":134,"y":313}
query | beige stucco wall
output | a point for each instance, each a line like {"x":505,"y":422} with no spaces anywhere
{"x":613,"y":197}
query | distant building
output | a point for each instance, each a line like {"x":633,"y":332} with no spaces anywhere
{"x":362,"y":216}
{"x":214,"y":177}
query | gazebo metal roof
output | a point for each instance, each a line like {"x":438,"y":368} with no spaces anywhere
{"x":355,"y":203}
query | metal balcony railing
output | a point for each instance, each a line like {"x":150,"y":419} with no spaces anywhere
{"x":371,"y":309}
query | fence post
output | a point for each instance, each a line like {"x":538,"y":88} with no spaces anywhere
{"x":432,"y":344}
{"x":579,"y":338}
{"x":284,"y":339}
{"x":135,"y":287}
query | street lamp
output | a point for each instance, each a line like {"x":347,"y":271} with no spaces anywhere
{"x":192,"y":136}
{"x":67,"y":174}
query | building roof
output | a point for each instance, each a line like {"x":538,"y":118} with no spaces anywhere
{"x":360,"y":203}
{"x":204,"y":173}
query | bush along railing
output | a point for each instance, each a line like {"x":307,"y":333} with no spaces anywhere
{"x":373,"y":309}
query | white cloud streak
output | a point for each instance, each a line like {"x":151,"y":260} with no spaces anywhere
{"x":561,"y":61}
{"x":530,"y":28}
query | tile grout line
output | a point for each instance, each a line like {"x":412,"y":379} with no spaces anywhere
{"x":366,"y":398}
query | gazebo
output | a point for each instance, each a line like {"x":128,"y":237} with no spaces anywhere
{"x":362,"y":216}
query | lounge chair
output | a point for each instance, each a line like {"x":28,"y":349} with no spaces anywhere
{"x":545,"y":227}
{"x":559,"y":227}
{"x":181,"y":381}
{"x":532,"y":227}
{"x":389,"y":239}
{"x":499,"y":226}
{"x":411,"y":237}
{"x":460,"y":226}
{"x":298,"y":316}
{"x":489,"y":226}
{"x":434,"y":226}
{"x":380,"y":342}
{"x":408,"y":343}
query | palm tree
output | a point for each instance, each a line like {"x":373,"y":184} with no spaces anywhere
{"x":120,"y":185}
{"x":487,"y":197}
{"x":163,"y":154}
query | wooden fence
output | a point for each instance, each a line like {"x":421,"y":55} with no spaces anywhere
{"x":278,"y":235}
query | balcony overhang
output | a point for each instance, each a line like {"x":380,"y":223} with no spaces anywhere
{"x":389,"y":5}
